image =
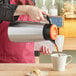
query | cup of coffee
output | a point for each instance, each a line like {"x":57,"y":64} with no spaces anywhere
{"x":60,"y":62}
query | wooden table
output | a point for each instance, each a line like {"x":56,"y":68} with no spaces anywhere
{"x":22,"y":69}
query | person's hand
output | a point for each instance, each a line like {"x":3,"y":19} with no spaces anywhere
{"x":45,"y":51}
{"x":34,"y":12}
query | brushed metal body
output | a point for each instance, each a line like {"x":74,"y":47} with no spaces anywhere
{"x":26,"y":32}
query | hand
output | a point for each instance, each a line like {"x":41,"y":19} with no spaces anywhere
{"x":34,"y":12}
{"x":45,"y":51}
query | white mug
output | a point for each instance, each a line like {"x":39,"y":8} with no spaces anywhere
{"x":60,"y":62}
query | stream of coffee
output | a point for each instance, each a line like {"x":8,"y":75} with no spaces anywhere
{"x":57,"y":49}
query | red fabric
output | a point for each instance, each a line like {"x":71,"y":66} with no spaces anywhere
{"x":23,"y":17}
{"x":14,"y":52}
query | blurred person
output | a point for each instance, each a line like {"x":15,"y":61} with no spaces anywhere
{"x":11,"y":52}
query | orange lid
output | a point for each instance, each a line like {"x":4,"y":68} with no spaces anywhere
{"x":53,"y":32}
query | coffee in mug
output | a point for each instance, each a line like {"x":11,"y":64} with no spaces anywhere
{"x":60,"y":62}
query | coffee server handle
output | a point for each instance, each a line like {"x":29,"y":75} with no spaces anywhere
{"x":49,"y":20}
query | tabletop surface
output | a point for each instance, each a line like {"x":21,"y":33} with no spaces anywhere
{"x":22,"y":69}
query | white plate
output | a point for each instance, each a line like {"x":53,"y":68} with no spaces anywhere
{"x":43,"y":73}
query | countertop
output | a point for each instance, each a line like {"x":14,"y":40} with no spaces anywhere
{"x":22,"y":69}
{"x":69,"y":44}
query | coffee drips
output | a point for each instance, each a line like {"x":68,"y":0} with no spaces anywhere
{"x":57,"y":49}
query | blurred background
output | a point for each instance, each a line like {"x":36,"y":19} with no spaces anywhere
{"x":67,"y":10}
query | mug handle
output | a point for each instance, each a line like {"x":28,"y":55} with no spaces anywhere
{"x":70,"y":59}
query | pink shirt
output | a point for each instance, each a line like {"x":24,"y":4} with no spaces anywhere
{"x":11,"y":52}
